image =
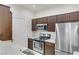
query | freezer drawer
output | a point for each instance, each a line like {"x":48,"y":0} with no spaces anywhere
{"x":61,"y":53}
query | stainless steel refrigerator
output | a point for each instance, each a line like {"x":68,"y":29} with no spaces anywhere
{"x":67,"y":38}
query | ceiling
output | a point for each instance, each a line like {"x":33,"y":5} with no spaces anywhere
{"x":37,"y":7}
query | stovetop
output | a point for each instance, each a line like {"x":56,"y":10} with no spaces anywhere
{"x":40,"y":39}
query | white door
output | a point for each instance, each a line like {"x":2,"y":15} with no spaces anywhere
{"x":19,"y":31}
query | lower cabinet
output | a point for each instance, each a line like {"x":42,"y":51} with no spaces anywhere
{"x":49,"y":48}
{"x":30,"y":43}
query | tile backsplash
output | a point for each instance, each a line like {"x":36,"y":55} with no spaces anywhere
{"x":37,"y":34}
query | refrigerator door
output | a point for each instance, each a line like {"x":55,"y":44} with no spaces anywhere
{"x":75,"y":36}
{"x":63,"y":31}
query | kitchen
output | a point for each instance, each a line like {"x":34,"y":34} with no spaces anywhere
{"x":40,"y":29}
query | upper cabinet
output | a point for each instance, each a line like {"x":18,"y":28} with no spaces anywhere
{"x":43,"y":20}
{"x":68,"y":17}
{"x":63,"y":18}
{"x":51,"y":23}
{"x":8,"y":28}
{"x":39,"y":20}
{"x":5,"y":23}
{"x":74,"y":16}
{"x":34,"y":22}
{"x":51,"y":20}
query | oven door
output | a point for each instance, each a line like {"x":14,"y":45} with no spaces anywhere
{"x":38,"y":46}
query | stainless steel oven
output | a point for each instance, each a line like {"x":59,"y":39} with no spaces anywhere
{"x":38,"y":46}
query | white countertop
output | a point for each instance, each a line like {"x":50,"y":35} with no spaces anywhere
{"x":50,"y":40}
{"x":33,"y":37}
{"x":76,"y":53}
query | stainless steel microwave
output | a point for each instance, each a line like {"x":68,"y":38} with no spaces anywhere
{"x":41,"y":27}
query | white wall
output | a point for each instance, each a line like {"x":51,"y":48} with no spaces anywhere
{"x":21,"y":25}
{"x":65,"y":8}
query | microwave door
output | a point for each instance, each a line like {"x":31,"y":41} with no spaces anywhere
{"x":40,"y":28}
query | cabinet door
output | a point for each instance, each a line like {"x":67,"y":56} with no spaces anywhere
{"x":5,"y":19}
{"x":63,"y":18}
{"x":1,"y":18}
{"x":40,"y":20}
{"x":44,"y":20}
{"x":6,"y":26}
{"x":51,"y":23}
{"x":8,"y":31}
{"x":30,"y":43}
{"x":34,"y":22}
{"x":49,"y":48}
{"x":74,"y":16}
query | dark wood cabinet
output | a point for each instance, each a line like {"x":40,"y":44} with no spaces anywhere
{"x":5,"y":23}
{"x":7,"y":28}
{"x":40,"y":20}
{"x":68,"y":17}
{"x":74,"y":16}
{"x":51,"y":20}
{"x":30,"y":43}
{"x":63,"y":18}
{"x":43,"y":20}
{"x":34,"y":22}
{"x":49,"y":48}
{"x":51,"y":23}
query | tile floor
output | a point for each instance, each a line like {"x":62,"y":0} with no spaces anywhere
{"x":9,"y":48}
